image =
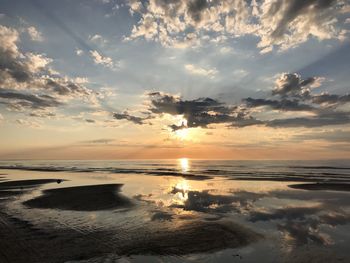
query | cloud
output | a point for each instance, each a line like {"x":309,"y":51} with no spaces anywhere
{"x":34,"y":34}
{"x":195,"y":70}
{"x":28,"y":123}
{"x":280,"y":24}
{"x":291,"y":84}
{"x":198,"y":113}
{"x":19,"y":100}
{"x":29,"y":84}
{"x":291,"y":94}
{"x":65,"y":87}
{"x":332,"y":99}
{"x":330,"y":136}
{"x":79,"y":52}
{"x":126,"y":116}
{"x":98,"y":141}
{"x":102,"y":60}
{"x":283,"y":105}
{"x":98,"y":39}
{"x":322,"y":119}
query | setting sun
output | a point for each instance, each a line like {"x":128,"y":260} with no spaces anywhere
{"x":182,"y":134}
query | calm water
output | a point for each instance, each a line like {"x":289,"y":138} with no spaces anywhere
{"x":297,"y":224}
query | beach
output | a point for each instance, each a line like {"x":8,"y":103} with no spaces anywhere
{"x":174,"y":211}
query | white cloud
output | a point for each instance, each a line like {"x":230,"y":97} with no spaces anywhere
{"x":34,"y":34}
{"x":240,"y":73}
{"x":79,"y":52}
{"x":37,"y":62}
{"x":226,"y":50}
{"x":277,"y":23}
{"x":98,"y":39}
{"x":8,"y":39}
{"x":103,"y":60}
{"x":28,"y":84}
{"x":195,"y":70}
{"x":28,"y":123}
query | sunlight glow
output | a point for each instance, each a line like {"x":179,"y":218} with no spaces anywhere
{"x":182,"y":134}
{"x":184,"y":164}
{"x":182,"y":189}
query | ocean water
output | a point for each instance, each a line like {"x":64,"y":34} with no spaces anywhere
{"x":303,"y":170}
{"x":181,"y":210}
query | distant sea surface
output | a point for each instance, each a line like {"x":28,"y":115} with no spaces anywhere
{"x":319,"y":170}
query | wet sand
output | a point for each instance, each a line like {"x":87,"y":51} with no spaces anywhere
{"x":26,"y":183}
{"x":208,"y":237}
{"x":323,"y":186}
{"x":163,"y":234}
{"x":13,"y":188}
{"x":50,"y":245}
{"x":82,"y":198}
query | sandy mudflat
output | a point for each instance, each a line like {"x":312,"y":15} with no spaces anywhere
{"x":25,"y":183}
{"x":289,"y":179}
{"x":13,"y":188}
{"x":193,"y":236}
{"x":323,"y":186}
{"x":82,"y":198}
{"x":23,"y":241}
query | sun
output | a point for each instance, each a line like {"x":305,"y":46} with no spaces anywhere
{"x":182,"y":134}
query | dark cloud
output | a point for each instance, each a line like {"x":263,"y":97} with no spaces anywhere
{"x":195,"y":8}
{"x":291,"y":84}
{"x":10,"y":64}
{"x":28,"y":84}
{"x":330,"y":99}
{"x":198,"y":112}
{"x":126,"y":116}
{"x":65,"y":88}
{"x":15,"y":69}
{"x":293,"y":9}
{"x":90,"y":120}
{"x":99,"y":141}
{"x":283,"y":105}
{"x":322,"y":119}
{"x":42,"y":114}
{"x":291,"y":94}
{"x":28,"y":100}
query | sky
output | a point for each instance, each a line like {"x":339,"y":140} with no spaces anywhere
{"x":205,"y":79}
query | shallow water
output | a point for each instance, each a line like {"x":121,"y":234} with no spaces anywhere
{"x":171,"y":197}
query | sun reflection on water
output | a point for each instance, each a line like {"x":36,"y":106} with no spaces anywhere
{"x":184,"y":164}
{"x":181,"y":190}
